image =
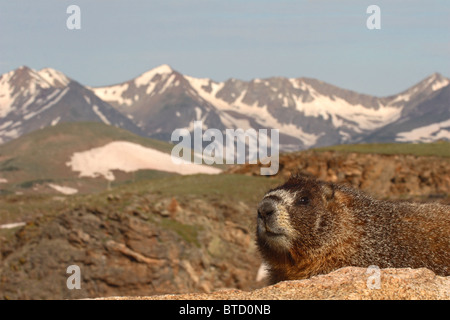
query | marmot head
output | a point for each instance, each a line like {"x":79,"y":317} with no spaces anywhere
{"x":296,"y":218}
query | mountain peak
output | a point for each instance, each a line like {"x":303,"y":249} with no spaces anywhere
{"x":24,"y":77}
{"x":146,"y":77}
{"x":437,"y":75}
{"x":437,"y":81}
{"x":164,"y":68}
{"x":24,"y":68}
{"x":24,"y":71}
{"x":54,"y":77}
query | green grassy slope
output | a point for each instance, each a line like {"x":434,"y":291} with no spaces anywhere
{"x":248,"y":189}
{"x":41,"y":156}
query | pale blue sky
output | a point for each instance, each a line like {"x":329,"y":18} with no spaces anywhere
{"x":246,"y":39}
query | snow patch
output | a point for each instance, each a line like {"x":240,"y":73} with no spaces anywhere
{"x":258,"y":113}
{"x":298,"y":84}
{"x":114,"y":93}
{"x":12,"y":225}
{"x":129,"y":157}
{"x":11,"y":134}
{"x":55,"y":121}
{"x":365,"y":118}
{"x":401,"y":97}
{"x":440,"y":84}
{"x":150,"y":89}
{"x":100,"y":115}
{"x":198,"y":83}
{"x":29,"y":101}
{"x":168,"y":83}
{"x":54,"y":77}
{"x":6,"y":97}
{"x":6,"y":125}
{"x":146,"y":78}
{"x":428,"y":133}
{"x":49,"y":105}
{"x":62,"y":189}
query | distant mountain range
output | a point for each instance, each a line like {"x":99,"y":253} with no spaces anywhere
{"x":31,"y":100}
{"x":308,"y":112}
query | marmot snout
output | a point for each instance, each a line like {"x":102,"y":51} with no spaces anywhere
{"x":307,"y":227}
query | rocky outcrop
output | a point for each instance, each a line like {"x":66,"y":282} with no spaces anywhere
{"x":133,"y":245}
{"x":383,"y":176}
{"x":348,"y":283}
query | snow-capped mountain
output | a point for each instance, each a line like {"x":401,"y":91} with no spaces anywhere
{"x":307,"y":112}
{"x":30,"y":100}
{"x":160,"y":101}
{"x":425,"y":115}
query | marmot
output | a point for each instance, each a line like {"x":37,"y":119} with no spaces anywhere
{"x":307,"y":227}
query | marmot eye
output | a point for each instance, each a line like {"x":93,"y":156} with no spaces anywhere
{"x":303,"y":201}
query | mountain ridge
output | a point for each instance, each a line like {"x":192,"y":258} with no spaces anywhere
{"x":308,"y":112}
{"x":31,"y":100}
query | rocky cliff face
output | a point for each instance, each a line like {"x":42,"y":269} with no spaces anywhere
{"x":133,"y":245}
{"x":383,"y":176}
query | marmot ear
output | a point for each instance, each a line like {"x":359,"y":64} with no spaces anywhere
{"x":327,"y":191}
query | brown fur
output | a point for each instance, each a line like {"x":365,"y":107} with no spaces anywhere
{"x":317,"y":227}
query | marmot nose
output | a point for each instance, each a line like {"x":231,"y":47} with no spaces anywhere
{"x":266,"y":209}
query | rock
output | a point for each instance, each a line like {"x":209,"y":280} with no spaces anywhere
{"x":348,"y":283}
{"x":128,"y":247}
{"x":383,"y":176}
